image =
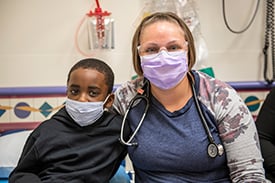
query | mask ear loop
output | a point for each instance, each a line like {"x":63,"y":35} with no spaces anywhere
{"x":105,"y":101}
{"x":213,"y":149}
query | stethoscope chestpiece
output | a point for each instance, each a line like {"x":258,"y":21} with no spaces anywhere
{"x":215,"y":150}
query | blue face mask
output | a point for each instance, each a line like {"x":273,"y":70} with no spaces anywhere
{"x":85,"y":113}
{"x":165,"y":70}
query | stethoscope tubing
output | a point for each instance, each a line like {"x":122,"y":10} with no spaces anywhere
{"x":137,"y":97}
{"x":213,"y":149}
{"x":209,"y":135}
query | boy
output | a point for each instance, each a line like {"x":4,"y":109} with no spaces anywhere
{"x":80,"y":142}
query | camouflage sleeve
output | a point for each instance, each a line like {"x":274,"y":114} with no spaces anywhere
{"x":237,"y":130}
{"x":124,"y":94}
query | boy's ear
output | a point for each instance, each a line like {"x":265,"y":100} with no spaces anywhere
{"x":109,"y":101}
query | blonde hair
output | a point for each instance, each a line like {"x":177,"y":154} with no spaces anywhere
{"x":156,"y":17}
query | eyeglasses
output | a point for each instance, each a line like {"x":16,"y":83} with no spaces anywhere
{"x":152,"y":49}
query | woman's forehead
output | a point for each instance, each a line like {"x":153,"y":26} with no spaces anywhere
{"x":162,"y":30}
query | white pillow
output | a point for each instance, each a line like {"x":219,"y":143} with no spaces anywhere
{"x":11,"y":146}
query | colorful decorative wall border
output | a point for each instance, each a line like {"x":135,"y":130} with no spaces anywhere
{"x":22,"y":109}
{"x":61,"y":90}
{"x":32,"y":91}
{"x":251,"y":85}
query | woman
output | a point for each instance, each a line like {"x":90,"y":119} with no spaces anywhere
{"x":174,"y":143}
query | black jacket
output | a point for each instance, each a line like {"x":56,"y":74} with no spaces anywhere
{"x":59,"y":150}
{"x":266,"y":128}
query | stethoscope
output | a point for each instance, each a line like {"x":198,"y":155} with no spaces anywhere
{"x":213,"y":149}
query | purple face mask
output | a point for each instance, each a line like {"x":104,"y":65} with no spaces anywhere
{"x":165,"y":70}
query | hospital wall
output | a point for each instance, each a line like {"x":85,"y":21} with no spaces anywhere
{"x":37,"y":49}
{"x":37,"y":45}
